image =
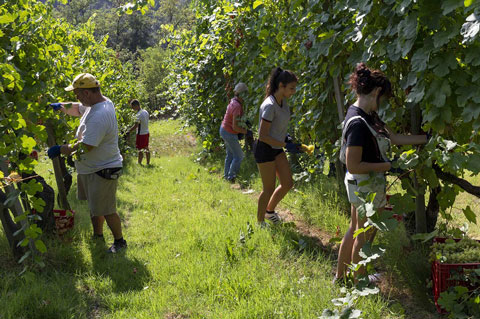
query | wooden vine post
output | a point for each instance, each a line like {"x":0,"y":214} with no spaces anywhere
{"x":340,"y":172}
{"x":12,"y":229}
{"x":57,"y":169}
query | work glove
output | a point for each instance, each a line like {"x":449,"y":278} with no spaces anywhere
{"x":249,"y":134}
{"x":55,"y":106}
{"x":54,"y":151}
{"x":288,"y":139}
{"x":294,"y":147}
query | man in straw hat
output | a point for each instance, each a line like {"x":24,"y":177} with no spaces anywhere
{"x":99,"y":162}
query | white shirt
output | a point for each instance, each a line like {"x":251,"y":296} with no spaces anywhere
{"x":142,"y":120}
{"x":99,"y":128}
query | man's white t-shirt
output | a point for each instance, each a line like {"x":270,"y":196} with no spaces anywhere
{"x":142,"y":120}
{"x":99,"y":128}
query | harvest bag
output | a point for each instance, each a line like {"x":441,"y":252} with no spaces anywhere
{"x":366,"y":183}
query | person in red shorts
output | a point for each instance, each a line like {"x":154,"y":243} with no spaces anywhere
{"x":141,"y":125}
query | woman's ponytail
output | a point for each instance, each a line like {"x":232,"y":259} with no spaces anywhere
{"x":278,"y":76}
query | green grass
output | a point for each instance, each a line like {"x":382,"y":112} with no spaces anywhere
{"x":186,"y":258}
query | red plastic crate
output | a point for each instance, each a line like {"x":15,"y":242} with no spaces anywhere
{"x":441,"y":275}
{"x":64,"y":220}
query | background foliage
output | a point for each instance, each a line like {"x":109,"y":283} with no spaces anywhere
{"x":428,"y":50}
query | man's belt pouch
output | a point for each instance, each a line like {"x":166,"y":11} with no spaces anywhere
{"x":110,"y":173}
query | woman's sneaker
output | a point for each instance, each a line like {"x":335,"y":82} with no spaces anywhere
{"x":274,"y":218}
{"x":375,"y":278}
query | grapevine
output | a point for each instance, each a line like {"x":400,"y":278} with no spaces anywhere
{"x":456,"y":252}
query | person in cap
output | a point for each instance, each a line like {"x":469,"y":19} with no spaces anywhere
{"x":99,"y":162}
{"x":143,"y":135}
{"x":230,"y":130}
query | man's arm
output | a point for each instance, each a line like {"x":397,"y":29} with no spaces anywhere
{"x":134,"y":127}
{"x":68,"y":149}
{"x":71,"y":108}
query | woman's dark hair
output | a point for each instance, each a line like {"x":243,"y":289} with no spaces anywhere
{"x":364,"y":80}
{"x":134,"y":102}
{"x":278,"y":76}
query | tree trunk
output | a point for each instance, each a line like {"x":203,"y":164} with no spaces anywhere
{"x":420,"y":212}
{"x":433,"y":208}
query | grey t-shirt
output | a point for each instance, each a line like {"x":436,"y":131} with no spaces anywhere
{"x":99,"y":128}
{"x":279,"y":117}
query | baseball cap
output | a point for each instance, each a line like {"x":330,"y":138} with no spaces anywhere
{"x":83,"y":81}
{"x":240,"y":87}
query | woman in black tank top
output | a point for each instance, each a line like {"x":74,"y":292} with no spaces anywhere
{"x":363,"y":156}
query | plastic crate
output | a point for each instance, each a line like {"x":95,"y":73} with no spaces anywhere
{"x":64,"y":220}
{"x":441,"y":275}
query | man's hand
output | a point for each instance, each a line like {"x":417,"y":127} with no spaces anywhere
{"x":294,"y":148}
{"x":55,"y":106}
{"x":249,"y":134}
{"x":54,"y":151}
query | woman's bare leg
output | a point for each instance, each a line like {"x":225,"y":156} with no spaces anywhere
{"x":284,"y":174}
{"x":267,"y":173}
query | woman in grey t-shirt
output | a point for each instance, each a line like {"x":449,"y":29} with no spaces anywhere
{"x":269,"y":155}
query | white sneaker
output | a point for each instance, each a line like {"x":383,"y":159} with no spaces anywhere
{"x":375,"y":278}
{"x":274,"y":218}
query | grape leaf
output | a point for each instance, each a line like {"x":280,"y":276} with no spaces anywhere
{"x":470,"y":215}
{"x":450,"y":5}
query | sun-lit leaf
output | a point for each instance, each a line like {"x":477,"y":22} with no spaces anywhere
{"x":40,"y":246}
{"x":257,"y":3}
{"x":7,"y":18}
{"x":470,"y":215}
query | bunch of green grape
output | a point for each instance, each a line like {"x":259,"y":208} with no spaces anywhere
{"x":451,"y":252}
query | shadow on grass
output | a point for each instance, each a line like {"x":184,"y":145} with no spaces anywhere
{"x":302,"y":244}
{"x":127,"y":274}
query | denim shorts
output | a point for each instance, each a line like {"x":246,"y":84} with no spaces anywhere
{"x":264,"y":153}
